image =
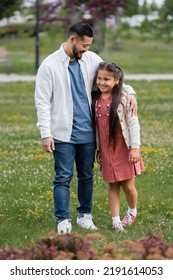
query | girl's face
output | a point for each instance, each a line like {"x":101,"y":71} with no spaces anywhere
{"x":106,"y":81}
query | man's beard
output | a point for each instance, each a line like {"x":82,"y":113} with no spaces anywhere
{"x":76,"y":54}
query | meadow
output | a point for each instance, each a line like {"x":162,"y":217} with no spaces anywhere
{"x":134,"y":55}
{"x":26,"y":204}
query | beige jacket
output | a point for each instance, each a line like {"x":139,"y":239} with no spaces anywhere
{"x":129,"y":124}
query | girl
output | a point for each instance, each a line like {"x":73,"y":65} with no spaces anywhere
{"x":118,"y":141}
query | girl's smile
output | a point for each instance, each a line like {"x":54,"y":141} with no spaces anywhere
{"x":106,"y":81}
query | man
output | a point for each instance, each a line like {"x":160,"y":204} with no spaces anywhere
{"x":63,"y":102}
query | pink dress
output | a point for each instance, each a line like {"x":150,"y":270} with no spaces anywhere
{"x":115,"y":166}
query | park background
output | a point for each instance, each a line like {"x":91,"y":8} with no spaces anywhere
{"x":138,"y":35}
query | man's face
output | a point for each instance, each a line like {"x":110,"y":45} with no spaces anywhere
{"x":80,"y":46}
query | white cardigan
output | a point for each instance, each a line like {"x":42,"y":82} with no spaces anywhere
{"x":129,"y":125}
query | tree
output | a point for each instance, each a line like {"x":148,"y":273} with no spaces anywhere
{"x":154,"y":6}
{"x":96,"y":14}
{"x":145,"y":9}
{"x":167,"y":9}
{"x":98,"y":11}
{"x":131,"y":7}
{"x":166,"y":19}
{"x":104,"y":10}
{"x":48,"y":11}
{"x":8,"y":7}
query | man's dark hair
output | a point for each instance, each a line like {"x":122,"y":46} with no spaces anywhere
{"x":82,"y":29}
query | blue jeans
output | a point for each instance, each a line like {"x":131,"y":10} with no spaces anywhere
{"x":65,"y":154}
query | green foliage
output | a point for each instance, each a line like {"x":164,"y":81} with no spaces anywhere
{"x":132,"y":7}
{"x":8,"y":7}
{"x":167,"y":8}
{"x":145,"y":8}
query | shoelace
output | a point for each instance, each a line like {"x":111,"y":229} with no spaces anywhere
{"x":128,"y":218}
{"x":118,"y":226}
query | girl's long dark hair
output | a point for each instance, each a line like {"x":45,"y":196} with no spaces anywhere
{"x":116,"y":98}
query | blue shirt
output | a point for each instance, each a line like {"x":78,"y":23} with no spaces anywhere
{"x":82,"y":131}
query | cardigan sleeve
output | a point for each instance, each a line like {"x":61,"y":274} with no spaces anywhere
{"x":129,"y":123}
{"x":134,"y":130}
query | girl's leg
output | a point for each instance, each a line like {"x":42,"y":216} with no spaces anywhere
{"x":114,"y":198}
{"x":130,"y":192}
{"x":131,"y":197}
{"x":114,"y":204}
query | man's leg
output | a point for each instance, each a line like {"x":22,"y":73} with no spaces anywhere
{"x":64,"y":155}
{"x":85,"y":156}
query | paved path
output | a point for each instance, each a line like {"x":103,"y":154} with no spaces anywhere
{"x":16,"y":78}
{"x":138,"y":77}
{"x":149,"y":77}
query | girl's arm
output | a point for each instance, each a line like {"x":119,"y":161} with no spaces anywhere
{"x":134,"y":130}
{"x":134,"y":155}
{"x":98,"y":158}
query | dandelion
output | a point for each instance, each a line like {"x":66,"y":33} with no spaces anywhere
{"x":169,"y":213}
{"x":14,"y":118}
{"x":149,"y":150}
{"x":73,"y":195}
{"x":49,"y":195}
{"x":3,"y":153}
{"x":37,"y":212}
{"x":20,"y":217}
{"x":40,"y":154}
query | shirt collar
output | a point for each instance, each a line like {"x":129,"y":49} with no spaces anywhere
{"x":63,"y":54}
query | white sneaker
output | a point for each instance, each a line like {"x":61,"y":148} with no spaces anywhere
{"x":64,"y":227}
{"x":86,"y":222}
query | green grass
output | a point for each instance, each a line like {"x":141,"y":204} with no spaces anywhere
{"x":135,"y":56}
{"x":26,"y":205}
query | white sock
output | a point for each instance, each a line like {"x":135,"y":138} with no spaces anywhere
{"x":132,"y":211}
{"x":116,"y":220}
